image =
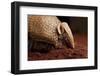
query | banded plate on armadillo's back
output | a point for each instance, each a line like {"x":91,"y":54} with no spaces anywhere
{"x":43,"y":28}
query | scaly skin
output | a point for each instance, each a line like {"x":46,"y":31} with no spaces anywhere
{"x":44,"y":28}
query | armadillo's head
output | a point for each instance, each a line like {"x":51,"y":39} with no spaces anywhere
{"x":63,"y":27}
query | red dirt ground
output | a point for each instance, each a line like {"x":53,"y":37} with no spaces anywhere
{"x":80,"y":51}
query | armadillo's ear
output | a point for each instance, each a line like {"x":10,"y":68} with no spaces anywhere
{"x":60,"y":29}
{"x":69,"y":35}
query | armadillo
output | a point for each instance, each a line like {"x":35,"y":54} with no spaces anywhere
{"x":49,"y":29}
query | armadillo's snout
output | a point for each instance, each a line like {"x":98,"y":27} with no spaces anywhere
{"x":63,"y":27}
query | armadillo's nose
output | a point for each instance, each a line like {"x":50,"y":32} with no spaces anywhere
{"x":68,"y":32}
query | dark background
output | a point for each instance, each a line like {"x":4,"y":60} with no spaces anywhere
{"x":78,"y":25}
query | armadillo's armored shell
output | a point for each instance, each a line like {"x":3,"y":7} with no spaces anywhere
{"x":43,"y":28}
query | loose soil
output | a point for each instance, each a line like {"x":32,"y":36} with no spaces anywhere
{"x":80,"y":51}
